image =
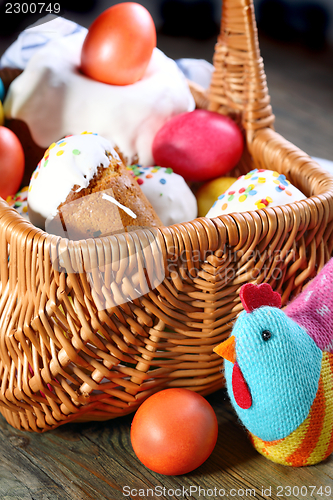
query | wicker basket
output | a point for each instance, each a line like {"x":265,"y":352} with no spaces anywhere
{"x":90,"y":329}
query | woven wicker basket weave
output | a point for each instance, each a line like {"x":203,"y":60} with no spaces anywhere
{"x":90,"y":329}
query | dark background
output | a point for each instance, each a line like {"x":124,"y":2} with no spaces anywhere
{"x":296,"y":41}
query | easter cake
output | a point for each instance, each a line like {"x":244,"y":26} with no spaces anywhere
{"x":258,"y":189}
{"x":52,"y":98}
{"x":170,"y":196}
{"x":81,"y":189}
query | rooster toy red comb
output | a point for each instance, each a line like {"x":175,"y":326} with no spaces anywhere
{"x":254,"y":296}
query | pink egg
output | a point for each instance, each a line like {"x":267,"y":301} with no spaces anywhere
{"x":199,"y":145}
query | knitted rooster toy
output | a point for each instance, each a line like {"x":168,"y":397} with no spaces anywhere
{"x":279,"y":371}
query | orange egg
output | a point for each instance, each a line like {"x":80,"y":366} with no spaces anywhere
{"x":119,"y":44}
{"x":174,"y":431}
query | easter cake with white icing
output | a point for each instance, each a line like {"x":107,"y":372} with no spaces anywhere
{"x":52,"y":98}
{"x":170,"y":196}
{"x":257,"y":189}
{"x":81,"y":189}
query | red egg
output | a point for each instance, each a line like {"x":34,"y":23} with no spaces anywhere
{"x":174,"y":431}
{"x":11,"y":163}
{"x":119,"y":44}
{"x":199,"y":145}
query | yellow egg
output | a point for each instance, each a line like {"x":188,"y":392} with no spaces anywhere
{"x":2,"y":115}
{"x":209,"y":192}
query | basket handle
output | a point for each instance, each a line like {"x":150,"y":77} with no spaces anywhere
{"x":238,"y":85}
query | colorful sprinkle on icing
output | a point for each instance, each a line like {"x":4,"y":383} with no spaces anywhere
{"x":231,"y":192}
{"x":261,"y":180}
{"x":149,"y":176}
{"x":249,"y":188}
{"x":288,"y":192}
{"x":231,"y":197}
{"x":19,"y":200}
{"x":269,"y":199}
{"x":221,"y":197}
{"x":61,"y":152}
{"x":52,"y":146}
{"x":242,"y":197}
{"x":252,"y":192}
{"x":76,"y":152}
{"x":224,"y":206}
{"x":46,"y":162}
{"x":140,"y":181}
{"x":162,"y":181}
{"x":168,"y":170}
{"x":241,"y":190}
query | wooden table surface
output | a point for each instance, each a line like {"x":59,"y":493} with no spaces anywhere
{"x":95,"y":460}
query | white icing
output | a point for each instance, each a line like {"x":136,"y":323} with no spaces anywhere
{"x":172,"y":199}
{"x":115,"y":202}
{"x":56,"y":174}
{"x":55,"y":99}
{"x":264,"y":185}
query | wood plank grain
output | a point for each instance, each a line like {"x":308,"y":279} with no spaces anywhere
{"x":96,"y":461}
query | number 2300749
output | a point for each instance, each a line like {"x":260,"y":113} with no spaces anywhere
{"x":303,"y":491}
{"x":32,"y":8}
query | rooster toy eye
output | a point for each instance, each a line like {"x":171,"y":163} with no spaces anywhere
{"x":266,"y":335}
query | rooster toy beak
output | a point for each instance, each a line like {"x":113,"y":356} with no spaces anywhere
{"x":227,"y":349}
{"x":241,"y":392}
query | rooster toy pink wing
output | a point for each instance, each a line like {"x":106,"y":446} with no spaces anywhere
{"x":279,"y":371}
